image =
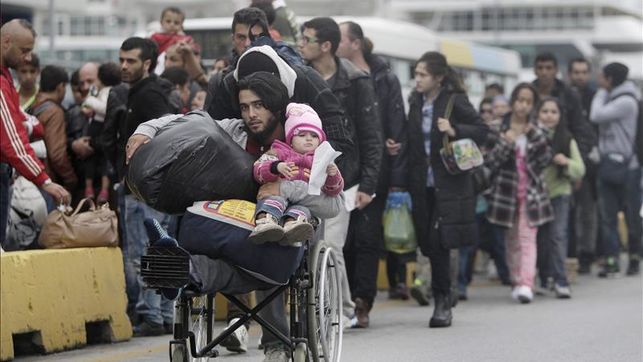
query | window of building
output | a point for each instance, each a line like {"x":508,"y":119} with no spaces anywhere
{"x":487,"y":20}
{"x":463,"y":21}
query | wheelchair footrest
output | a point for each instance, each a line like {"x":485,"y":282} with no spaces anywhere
{"x":165,"y":267}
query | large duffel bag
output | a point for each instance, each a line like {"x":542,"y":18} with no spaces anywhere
{"x":191,"y":161}
{"x":220,"y":229}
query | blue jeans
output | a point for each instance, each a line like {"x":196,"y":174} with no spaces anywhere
{"x":131,"y":283}
{"x":5,"y":188}
{"x":49,"y":201}
{"x":277,"y":206}
{"x":152,"y":307}
{"x":553,"y":239}
{"x":615,"y":198}
{"x":465,"y":267}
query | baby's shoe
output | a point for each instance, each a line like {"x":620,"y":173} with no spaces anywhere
{"x":297,"y":231}
{"x":266,"y":229}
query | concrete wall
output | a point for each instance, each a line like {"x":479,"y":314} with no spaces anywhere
{"x":54,"y":293}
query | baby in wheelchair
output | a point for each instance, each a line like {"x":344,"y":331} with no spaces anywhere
{"x":282,"y":220}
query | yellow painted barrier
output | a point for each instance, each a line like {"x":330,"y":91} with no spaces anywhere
{"x":56,"y":294}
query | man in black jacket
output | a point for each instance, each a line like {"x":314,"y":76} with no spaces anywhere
{"x":354,"y":88}
{"x":358,"y":49}
{"x":146,"y":100}
{"x":579,"y":71}
{"x":585,"y":208}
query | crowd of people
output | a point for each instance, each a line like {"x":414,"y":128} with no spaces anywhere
{"x":561,"y":159}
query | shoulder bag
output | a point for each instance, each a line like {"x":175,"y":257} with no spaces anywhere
{"x":460,"y":155}
{"x":92,"y":228}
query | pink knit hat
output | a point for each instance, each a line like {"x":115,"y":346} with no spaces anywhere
{"x":301,"y":117}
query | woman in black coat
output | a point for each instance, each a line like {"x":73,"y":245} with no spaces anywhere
{"x":443,"y":204}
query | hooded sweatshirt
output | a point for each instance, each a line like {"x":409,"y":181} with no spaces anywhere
{"x":616,"y":115}
{"x":286,"y":73}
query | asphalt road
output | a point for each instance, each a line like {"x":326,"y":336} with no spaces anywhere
{"x":602,"y":322}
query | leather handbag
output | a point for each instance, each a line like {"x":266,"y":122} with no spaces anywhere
{"x":460,"y":155}
{"x":92,"y":228}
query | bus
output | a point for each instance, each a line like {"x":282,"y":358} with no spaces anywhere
{"x":400,"y":43}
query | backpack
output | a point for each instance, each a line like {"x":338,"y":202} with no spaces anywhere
{"x":638,"y":139}
{"x":23,"y":231}
{"x":285,"y":51}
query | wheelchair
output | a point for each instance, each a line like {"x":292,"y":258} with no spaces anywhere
{"x":313,"y":293}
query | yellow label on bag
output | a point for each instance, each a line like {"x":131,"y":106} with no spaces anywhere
{"x":240,"y":213}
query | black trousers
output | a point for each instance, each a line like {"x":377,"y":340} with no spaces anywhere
{"x":438,"y":254}
{"x":396,"y":266}
{"x":363,"y":248}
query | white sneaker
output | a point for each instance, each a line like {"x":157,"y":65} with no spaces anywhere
{"x":523,"y":294}
{"x":348,"y":323}
{"x":297,"y":231}
{"x":237,"y":341}
{"x":266,"y":229}
{"x":514,"y":293}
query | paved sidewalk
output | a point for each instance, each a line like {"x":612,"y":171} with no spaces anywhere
{"x":602,"y":322}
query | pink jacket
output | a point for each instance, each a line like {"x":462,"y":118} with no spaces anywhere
{"x":281,"y":152}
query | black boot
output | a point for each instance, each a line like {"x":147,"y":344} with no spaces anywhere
{"x":442,"y":312}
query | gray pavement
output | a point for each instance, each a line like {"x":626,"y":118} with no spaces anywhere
{"x":602,"y":322}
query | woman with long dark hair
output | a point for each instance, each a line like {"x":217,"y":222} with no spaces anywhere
{"x":443,"y":204}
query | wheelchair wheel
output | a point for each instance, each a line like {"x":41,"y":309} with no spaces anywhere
{"x":200,"y":322}
{"x":325,"y":306}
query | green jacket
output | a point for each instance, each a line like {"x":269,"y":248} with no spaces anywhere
{"x":561,"y":184}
